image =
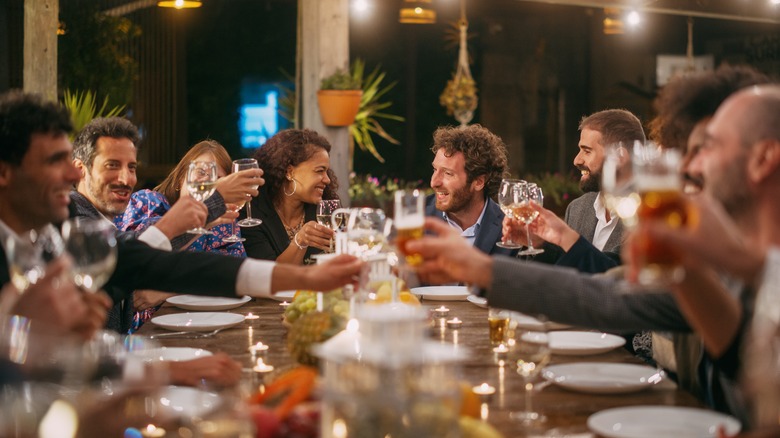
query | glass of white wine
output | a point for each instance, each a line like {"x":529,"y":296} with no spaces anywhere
{"x":529,"y":351}
{"x":525,"y":212}
{"x":325,"y":209}
{"x":244,"y":164}
{"x":234,"y":237}
{"x":29,"y":253}
{"x":507,"y":201}
{"x":201,"y":183}
{"x":92,"y":246}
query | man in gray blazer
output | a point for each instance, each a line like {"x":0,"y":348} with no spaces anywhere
{"x":590,"y":238}
{"x":468,"y":167}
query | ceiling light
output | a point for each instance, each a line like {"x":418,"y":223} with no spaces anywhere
{"x":180,"y":4}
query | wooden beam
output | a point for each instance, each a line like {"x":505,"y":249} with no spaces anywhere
{"x":323,"y":32}
{"x":41,"y":19}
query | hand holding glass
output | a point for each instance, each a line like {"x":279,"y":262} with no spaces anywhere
{"x":92,"y":246}
{"x":244,"y":164}
{"x":325,"y":209}
{"x":525,"y":212}
{"x":507,"y":199}
{"x":234,"y":237}
{"x":201,"y":183}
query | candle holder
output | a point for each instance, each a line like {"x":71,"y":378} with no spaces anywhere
{"x":250,"y":315}
{"x":259,"y":347}
{"x":454,"y":323}
{"x":441,"y":312}
{"x":152,"y":431}
{"x":484,"y":391}
{"x":284,"y":305}
{"x":262,"y":367}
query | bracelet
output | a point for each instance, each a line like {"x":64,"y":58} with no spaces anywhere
{"x":295,"y":241}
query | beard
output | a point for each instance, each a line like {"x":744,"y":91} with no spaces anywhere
{"x":107,"y":208}
{"x":459,"y":199}
{"x":592,"y":183}
{"x":730,"y":189}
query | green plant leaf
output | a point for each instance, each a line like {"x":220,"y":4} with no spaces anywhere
{"x":82,"y":106}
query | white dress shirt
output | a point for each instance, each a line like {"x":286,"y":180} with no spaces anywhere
{"x":604,"y":228}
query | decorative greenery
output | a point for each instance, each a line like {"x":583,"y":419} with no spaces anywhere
{"x":559,"y":189}
{"x":366,"y":122}
{"x":83,"y":108}
{"x":342,"y":80}
{"x":370,"y":191}
{"x":460,"y":95}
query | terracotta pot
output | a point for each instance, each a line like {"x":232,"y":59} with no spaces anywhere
{"x":339,"y":107}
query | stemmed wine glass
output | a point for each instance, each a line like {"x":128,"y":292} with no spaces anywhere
{"x":530,"y":352}
{"x":507,"y":200}
{"x":239,"y":165}
{"x":92,"y":246}
{"x":29,"y":253}
{"x":234,"y":237}
{"x":527,"y":194}
{"x":201,"y":183}
{"x":325,"y":208}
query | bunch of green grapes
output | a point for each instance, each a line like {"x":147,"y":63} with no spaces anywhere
{"x":306,"y":301}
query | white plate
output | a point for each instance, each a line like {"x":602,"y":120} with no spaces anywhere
{"x":583,"y":343}
{"x":442,"y":293}
{"x":661,"y":421}
{"x":185,"y":402}
{"x":477,"y":301}
{"x":174,"y":354}
{"x":531,"y":323}
{"x":284,"y":295}
{"x":198,"y":322}
{"x":195,"y":302}
{"x":603,"y":378}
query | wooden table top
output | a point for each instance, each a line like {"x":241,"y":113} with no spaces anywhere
{"x":566,"y":411}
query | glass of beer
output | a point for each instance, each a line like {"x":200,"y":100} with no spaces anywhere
{"x":498,"y":321}
{"x":659,"y":185}
{"x":409,"y":219}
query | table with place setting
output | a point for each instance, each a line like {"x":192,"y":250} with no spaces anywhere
{"x":588,"y":372}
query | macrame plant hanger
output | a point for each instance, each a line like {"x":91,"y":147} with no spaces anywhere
{"x":460,"y":95}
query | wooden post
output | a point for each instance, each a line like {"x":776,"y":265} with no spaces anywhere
{"x":41,"y":19}
{"x":324,"y":47}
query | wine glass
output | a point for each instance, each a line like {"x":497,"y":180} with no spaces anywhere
{"x":29,"y":253}
{"x":91,"y":244}
{"x":325,"y":208}
{"x":617,"y":183}
{"x":525,"y":212}
{"x":529,"y":351}
{"x":201,"y":183}
{"x":239,"y":165}
{"x":234,"y":237}
{"x":507,"y":200}
{"x":367,"y":231}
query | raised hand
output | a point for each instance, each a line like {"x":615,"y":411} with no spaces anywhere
{"x":218,"y":369}
{"x":241,"y":186}
{"x":316,"y":235}
{"x":551,"y":228}
{"x":185,"y":214}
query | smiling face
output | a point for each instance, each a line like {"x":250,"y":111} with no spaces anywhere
{"x":109,"y":183}
{"x":311,"y":177}
{"x":590,"y":159}
{"x":450,"y":183}
{"x":38,"y":189}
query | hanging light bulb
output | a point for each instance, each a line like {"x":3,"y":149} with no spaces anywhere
{"x":180,"y":4}
{"x":417,"y":12}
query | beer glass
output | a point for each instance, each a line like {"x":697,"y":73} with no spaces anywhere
{"x":507,"y":201}
{"x":201,"y":183}
{"x":498,"y":322}
{"x":409,"y":220}
{"x":658,"y":183}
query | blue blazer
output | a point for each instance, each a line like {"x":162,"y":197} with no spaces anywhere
{"x":489,"y":231}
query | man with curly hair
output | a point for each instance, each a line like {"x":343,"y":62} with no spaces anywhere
{"x":468,"y":166}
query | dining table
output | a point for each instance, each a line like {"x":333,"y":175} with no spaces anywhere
{"x":566,"y":411}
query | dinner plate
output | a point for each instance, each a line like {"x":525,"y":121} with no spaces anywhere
{"x":442,"y":293}
{"x":284,"y":295}
{"x":198,"y":322}
{"x":195,"y":302}
{"x":603,"y":378}
{"x":572,"y":343}
{"x":174,"y":354}
{"x":658,"y":421}
{"x":186,"y":402}
{"x":477,"y":301}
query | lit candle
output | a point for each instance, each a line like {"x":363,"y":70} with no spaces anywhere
{"x":441,"y":312}
{"x":284,"y":304}
{"x":251,"y":316}
{"x":262,"y":367}
{"x":258,"y":347}
{"x":484,"y":391}
{"x":454,"y":323}
{"x":500,"y":354}
{"x":501,"y":349}
{"x":152,"y":431}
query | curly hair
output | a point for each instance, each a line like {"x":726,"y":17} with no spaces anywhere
{"x":686,"y":100}
{"x":21,"y":116}
{"x":291,"y":147}
{"x":615,"y":125}
{"x":84,"y":146}
{"x":171,"y":185}
{"x":485,"y":153}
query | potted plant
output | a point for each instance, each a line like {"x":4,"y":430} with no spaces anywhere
{"x":339,"y":98}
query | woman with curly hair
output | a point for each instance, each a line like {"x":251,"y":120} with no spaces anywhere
{"x":296,"y":166}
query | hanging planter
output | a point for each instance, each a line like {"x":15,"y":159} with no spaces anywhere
{"x":460,"y":95}
{"x":339,"y":98}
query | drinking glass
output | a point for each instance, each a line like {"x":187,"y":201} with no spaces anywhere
{"x":658,"y":182}
{"x":498,"y":321}
{"x":617,"y":182}
{"x":29,"y":253}
{"x":530,"y":352}
{"x":325,"y":209}
{"x":92,"y":246}
{"x":234,"y":237}
{"x":524,"y":211}
{"x":201,"y":183}
{"x":244,"y":164}
{"x":507,"y":200}
{"x":409,"y":220}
